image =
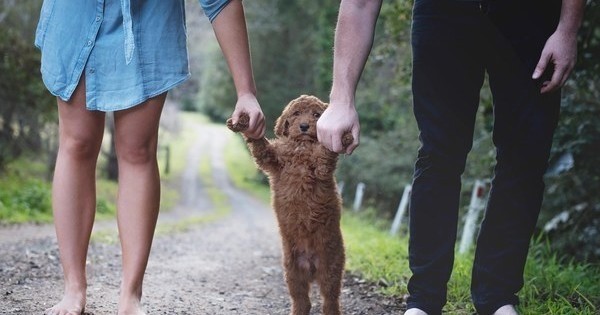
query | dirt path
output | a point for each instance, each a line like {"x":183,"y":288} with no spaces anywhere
{"x":229,"y":266}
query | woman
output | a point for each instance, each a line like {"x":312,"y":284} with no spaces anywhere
{"x":122,"y":56}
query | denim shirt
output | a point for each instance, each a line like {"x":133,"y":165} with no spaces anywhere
{"x":128,"y":50}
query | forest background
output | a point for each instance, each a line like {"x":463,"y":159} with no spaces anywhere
{"x":292,"y":54}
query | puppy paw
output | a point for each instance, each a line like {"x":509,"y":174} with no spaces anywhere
{"x":347,"y":139}
{"x":241,"y":125}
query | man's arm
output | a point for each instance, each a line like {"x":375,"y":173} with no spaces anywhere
{"x":353,"y":41}
{"x":561,"y":46}
{"x":230,"y":29}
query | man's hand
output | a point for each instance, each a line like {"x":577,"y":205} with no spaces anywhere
{"x":338,"y":119}
{"x":560,"y":51}
{"x":248,"y":104}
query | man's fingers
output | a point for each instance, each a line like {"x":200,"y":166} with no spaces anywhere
{"x":326,"y":142}
{"x":555,"y":82}
{"x":355,"y":142}
{"x":336,"y":143}
{"x":351,"y":148}
{"x":541,"y":65}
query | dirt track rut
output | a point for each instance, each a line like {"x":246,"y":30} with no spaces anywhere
{"x":227,"y":266}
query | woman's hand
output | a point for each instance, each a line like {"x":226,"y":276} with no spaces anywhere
{"x":247,"y":103}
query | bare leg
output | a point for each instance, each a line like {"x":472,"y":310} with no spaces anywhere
{"x":136,"y":135}
{"x":74,"y":194}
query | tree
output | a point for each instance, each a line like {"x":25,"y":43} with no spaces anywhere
{"x":571,"y":216}
{"x":26,"y":107}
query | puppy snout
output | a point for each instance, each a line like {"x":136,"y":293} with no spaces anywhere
{"x":304,"y":127}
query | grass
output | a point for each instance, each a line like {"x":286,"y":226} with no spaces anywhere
{"x":26,"y":194}
{"x":220,"y":204}
{"x":242,"y":170}
{"x":375,"y":256}
{"x":179,"y":144}
{"x":553,"y":285}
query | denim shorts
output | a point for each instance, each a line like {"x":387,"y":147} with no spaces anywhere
{"x":128,"y":51}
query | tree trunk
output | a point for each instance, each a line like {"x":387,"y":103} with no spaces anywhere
{"x":112,"y":167}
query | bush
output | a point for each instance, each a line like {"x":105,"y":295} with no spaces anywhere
{"x":26,"y":196}
{"x":26,"y":105}
{"x":25,"y":200}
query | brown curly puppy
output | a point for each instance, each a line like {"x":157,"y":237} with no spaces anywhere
{"x":306,"y":202}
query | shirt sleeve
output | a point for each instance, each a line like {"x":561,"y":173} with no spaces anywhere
{"x":212,"y":8}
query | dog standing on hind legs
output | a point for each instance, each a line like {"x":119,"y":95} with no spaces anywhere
{"x":306,"y":202}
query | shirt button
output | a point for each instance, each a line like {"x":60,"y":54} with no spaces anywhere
{"x":89,"y":43}
{"x":97,"y":18}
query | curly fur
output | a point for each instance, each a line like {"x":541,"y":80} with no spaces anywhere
{"x":306,"y":202}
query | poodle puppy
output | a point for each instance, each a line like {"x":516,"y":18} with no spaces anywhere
{"x":306,"y":202}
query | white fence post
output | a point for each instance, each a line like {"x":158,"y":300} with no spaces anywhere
{"x":478,"y":199}
{"x":340,"y":187}
{"x":360,"y":190}
{"x":402,"y":207}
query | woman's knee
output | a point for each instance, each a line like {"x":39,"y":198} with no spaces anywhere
{"x":136,"y":154}
{"x":80,"y":147}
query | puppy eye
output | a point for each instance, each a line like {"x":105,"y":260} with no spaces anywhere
{"x":296,"y":113}
{"x":317,"y":115}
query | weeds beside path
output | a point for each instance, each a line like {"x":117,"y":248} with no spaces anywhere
{"x":215,"y":257}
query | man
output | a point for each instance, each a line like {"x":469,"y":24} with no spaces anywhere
{"x":528,"y":49}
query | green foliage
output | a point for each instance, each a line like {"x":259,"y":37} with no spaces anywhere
{"x":389,"y":134}
{"x":243,"y":171}
{"x":568,"y":287}
{"x":381,"y":168}
{"x":106,"y":198}
{"x":374,"y":255}
{"x":26,"y":105}
{"x":24,"y":200}
{"x":25,"y":194}
{"x":552,"y":285}
{"x":217,"y":96}
{"x":291,"y":44}
{"x":385,"y":159}
{"x":573,"y":195}
{"x":292,"y":54}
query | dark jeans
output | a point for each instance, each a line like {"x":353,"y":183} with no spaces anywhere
{"x":454,"y":44}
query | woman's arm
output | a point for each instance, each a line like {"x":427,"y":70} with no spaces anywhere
{"x":230,"y":28}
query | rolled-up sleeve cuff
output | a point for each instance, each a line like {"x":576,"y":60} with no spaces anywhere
{"x":212,"y":8}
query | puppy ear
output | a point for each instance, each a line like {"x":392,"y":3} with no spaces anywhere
{"x":281,"y":127}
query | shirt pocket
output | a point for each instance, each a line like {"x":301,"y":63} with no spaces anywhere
{"x":45,"y":16}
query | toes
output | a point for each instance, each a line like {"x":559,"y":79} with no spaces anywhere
{"x":55,"y":310}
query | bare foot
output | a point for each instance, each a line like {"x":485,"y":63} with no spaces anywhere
{"x":71,"y":304}
{"x":130,"y":305}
